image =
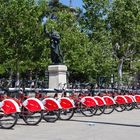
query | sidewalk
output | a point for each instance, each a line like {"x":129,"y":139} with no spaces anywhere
{"x":116,"y":126}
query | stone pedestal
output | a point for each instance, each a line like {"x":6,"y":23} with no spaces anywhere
{"x":57,"y":75}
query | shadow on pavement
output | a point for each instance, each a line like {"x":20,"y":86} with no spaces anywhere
{"x":107,"y":123}
{"x":24,"y":124}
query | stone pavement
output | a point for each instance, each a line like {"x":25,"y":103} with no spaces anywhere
{"x":116,"y":126}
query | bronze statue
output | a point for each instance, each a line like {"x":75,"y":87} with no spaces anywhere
{"x":56,"y":55}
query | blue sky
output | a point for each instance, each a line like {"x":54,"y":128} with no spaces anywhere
{"x":75,"y":3}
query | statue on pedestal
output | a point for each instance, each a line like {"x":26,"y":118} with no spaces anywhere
{"x":56,"y":55}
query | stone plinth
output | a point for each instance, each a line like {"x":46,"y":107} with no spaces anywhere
{"x":57,"y":75}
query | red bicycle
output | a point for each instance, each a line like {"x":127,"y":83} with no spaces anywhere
{"x":31,"y":108}
{"x":76,"y":102}
{"x":9,"y":110}
{"x":51,"y":113}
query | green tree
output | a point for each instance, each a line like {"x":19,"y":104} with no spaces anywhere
{"x":24,"y":45}
{"x":21,"y":33}
{"x":94,"y":24}
{"x":124,"y":22}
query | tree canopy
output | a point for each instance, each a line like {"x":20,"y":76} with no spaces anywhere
{"x":100,"y":41}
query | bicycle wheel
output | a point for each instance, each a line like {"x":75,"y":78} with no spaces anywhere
{"x":120,"y":107}
{"x":31,"y":118}
{"x":137,"y":105}
{"x":88,"y":111}
{"x":109,"y":109}
{"x":51,"y":116}
{"x":67,"y":114}
{"x":129,"y":106}
{"x":100,"y":110}
{"x":8,"y":121}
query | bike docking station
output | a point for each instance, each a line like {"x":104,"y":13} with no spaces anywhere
{"x":57,"y":75}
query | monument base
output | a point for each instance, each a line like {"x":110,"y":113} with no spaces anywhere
{"x":57,"y":76}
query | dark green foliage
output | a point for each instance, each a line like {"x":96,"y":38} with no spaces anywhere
{"x":93,"y":42}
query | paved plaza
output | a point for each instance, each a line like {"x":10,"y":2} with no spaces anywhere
{"x":116,"y":126}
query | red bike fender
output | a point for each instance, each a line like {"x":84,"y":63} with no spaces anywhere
{"x":33,"y":104}
{"x":137,"y":98}
{"x":128,"y":98}
{"x":51,"y":104}
{"x":66,"y":103}
{"x":100,"y":100}
{"x":120,"y":99}
{"x":89,"y":101}
{"x":109,"y":100}
{"x":9,"y":106}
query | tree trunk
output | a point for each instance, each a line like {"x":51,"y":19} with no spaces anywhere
{"x":17,"y":79}
{"x":120,"y":73}
{"x":31,"y":75}
{"x":10,"y":78}
{"x":17,"y":70}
